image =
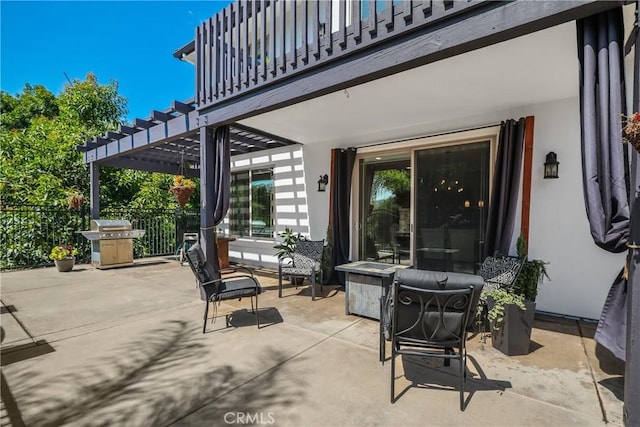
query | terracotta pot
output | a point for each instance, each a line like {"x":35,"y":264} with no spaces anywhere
{"x":65,"y":265}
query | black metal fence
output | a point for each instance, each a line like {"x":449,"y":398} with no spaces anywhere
{"x":28,"y":232}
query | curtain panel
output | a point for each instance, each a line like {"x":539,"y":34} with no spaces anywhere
{"x":342,"y":163}
{"x":506,"y":183}
{"x":604,"y":163}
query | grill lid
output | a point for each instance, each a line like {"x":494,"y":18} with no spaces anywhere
{"x":110,"y":225}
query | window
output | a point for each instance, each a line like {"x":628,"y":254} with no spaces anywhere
{"x":251,"y":204}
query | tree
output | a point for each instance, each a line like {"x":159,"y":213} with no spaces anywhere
{"x":34,"y":102}
{"x":39,"y":163}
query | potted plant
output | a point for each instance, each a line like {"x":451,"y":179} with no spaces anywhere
{"x":75,"y":200}
{"x":182,"y":189}
{"x":288,"y":246}
{"x":511,"y":311}
{"x":64,"y":257}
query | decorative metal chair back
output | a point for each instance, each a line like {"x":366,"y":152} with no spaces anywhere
{"x":435,"y":317}
{"x":500,"y":271}
{"x":307,"y":254}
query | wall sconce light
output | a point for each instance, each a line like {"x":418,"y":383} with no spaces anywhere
{"x":322,"y":182}
{"x":551,"y":166}
{"x":467,"y":204}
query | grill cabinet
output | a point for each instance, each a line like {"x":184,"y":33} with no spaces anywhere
{"x":111,"y":242}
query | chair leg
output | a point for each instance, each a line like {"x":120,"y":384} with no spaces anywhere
{"x":279,"y":285}
{"x":257,"y":316}
{"x":463,"y":373}
{"x":381,"y":345}
{"x":393,"y":373}
{"x":381,"y":349}
{"x":313,"y":287}
{"x":206,"y":312}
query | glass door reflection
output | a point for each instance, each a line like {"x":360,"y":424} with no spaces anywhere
{"x":452,"y":190}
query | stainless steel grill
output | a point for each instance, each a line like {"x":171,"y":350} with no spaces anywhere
{"x":111,"y":242}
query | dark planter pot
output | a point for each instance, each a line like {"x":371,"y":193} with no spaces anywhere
{"x":514,"y":335}
{"x":65,"y":265}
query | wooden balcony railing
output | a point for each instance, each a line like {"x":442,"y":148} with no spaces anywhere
{"x":250,"y":44}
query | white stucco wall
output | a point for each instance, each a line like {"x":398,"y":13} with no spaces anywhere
{"x":297,"y":205}
{"x":581,"y":273}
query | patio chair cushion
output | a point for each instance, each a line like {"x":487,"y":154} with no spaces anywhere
{"x":294,"y":271}
{"x":425,"y":279}
{"x":203,"y":270}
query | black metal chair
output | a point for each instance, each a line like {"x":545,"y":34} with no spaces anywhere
{"x":429,"y":317}
{"x":214,"y":288}
{"x":305,"y":263}
{"x":500,"y":271}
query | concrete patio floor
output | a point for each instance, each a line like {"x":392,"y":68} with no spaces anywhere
{"x":125,"y":347}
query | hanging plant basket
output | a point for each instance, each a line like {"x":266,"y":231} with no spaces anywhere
{"x":182,"y":189}
{"x":182,"y":194}
{"x":75,"y":202}
{"x":631,"y":130}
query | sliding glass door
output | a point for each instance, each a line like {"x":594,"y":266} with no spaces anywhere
{"x":451,"y":198}
{"x":385,"y":195}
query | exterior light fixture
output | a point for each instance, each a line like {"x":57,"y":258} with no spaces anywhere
{"x":322,"y":182}
{"x":551,"y":166}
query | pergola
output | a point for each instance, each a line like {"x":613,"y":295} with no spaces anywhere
{"x":168,"y":141}
{"x":173,"y":141}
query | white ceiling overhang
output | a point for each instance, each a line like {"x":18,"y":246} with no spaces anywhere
{"x":437,"y":97}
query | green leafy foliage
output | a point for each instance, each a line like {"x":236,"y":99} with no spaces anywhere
{"x":501,"y":298}
{"x":531,"y":276}
{"x":39,"y":165}
{"x":288,"y":244}
{"x":34,"y":102}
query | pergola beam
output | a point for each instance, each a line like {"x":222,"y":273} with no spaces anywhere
{"x":148,"y":166}
{"x":181,"y":107}
{"x":127,"y":130}
{"x":160,"y":116}
{"x":143,"y":124}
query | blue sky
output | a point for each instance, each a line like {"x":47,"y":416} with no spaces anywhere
{"x":131,"y":42}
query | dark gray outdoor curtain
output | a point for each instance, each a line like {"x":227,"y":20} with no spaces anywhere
{"x":222,"y":173}
{"x":600,"y":42}
{"x":214,"y":186}
{"x":342,"y":162}
{"x":600,"y":39}
{"x":631,"y":410}
{"x":501,"y":216}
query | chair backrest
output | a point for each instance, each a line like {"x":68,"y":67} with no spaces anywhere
{"x":202,"y":269}
{"x":501,"y":271}
{"x":429,"y":311}
{"x":425,"y":279}
{"x":308,"y":253}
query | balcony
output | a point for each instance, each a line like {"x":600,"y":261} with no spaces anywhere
{"x":248,"y":45}
{"x":291,"y":51}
